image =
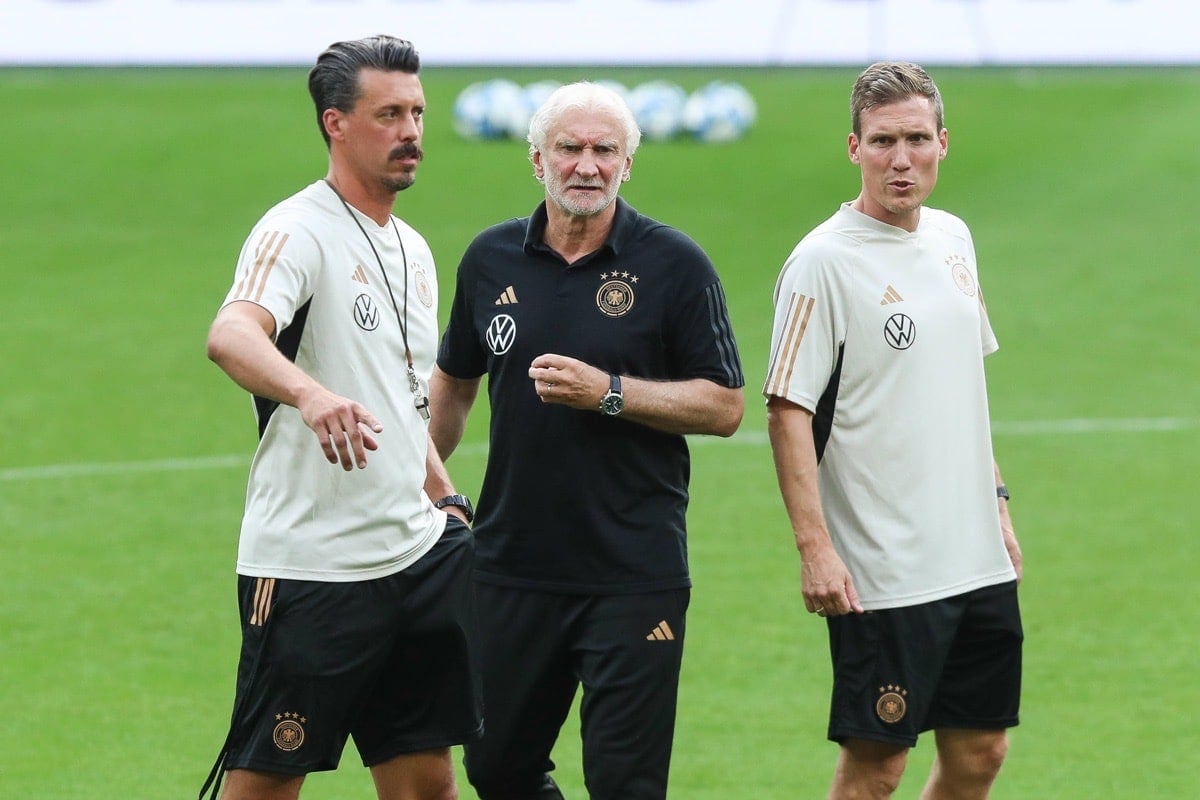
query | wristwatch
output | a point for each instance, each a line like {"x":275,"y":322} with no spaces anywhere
{"x":613,"y":402}
{"x":459,"y":500}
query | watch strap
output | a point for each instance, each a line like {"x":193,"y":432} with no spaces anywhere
{"x":459,"y":500}
{"x":613,"y":401}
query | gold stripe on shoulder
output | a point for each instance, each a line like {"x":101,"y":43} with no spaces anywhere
{"x":779,"y":375}
{"x":270,"y":245}
{"x":262,"y":284}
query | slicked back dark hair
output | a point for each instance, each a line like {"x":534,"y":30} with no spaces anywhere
{"x":887,"y":82}
{"x":333,"y":81}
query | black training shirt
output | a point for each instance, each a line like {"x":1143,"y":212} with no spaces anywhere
{"x":573,"y":501}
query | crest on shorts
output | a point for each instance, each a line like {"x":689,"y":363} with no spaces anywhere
{"x":289,"y":731}
{"x":962,"y":276}
{"x":891,"y":705}
{"x":615,"y":296}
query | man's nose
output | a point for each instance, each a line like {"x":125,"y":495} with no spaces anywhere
{"x":409,"y":130}
{"x":587,"y":164}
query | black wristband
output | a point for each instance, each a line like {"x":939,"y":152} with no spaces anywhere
{"x":1002,"y":491}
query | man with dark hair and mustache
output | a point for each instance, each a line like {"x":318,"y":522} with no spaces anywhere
{"x":356,"y":604}
{"x":605,"y":338}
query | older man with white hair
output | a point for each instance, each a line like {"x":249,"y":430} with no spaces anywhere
{"x":605,"y":338}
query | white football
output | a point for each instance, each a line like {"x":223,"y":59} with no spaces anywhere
{"x":489,"y":109}
{"x":658,"y":108}
{"x":721,"y":111}
{"x":532,"y":98}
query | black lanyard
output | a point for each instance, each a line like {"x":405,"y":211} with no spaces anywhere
{"x":419,"y":400}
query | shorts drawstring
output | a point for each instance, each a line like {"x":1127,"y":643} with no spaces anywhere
{"x":216,"y":774}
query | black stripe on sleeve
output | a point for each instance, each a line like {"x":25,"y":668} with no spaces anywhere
{"x":288,"y":343}
{"x":718,"y":318}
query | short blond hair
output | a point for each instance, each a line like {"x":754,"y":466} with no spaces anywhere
{"x":887,"y":82}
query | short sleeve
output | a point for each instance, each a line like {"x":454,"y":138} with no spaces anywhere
{"x":986,"y":335}
{"x":460,"y":353}
{"x":701,"y":335}
{"x":276,"y":270}
{"x":806,"y":330}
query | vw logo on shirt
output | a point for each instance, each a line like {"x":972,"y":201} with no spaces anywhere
{"x":365,"y":312}
{"x":900,"y":331}
{"x":501,"y":332}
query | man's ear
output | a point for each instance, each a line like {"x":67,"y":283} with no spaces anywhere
{"x":332,"y":119}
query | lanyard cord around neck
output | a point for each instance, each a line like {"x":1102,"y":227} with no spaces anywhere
{"x":421,"y":402}
{"x":402,"y":320}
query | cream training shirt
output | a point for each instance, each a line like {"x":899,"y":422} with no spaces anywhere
{"x":881,"y":333}
{"x":310,"y":266}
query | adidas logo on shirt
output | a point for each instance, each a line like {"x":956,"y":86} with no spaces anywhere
{"x":662,"y":632}
{"x":359,"y":275}
{"x":890,"y":296}
{"x":507,"y":297}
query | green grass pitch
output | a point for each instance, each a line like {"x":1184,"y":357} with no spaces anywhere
{"x":127,"y":194}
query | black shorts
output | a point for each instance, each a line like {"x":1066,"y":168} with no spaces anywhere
{"x":538,"y":649}
{"x":952,"y":663}
{"x":389,"y":661}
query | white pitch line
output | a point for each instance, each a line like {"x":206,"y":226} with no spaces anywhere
{"x":121,"y":467}
{"x":1115,"y":425}
{"x":752,"y":438}
{"x":1027,"y":428}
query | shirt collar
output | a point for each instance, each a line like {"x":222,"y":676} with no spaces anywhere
{"x":622,"y":227}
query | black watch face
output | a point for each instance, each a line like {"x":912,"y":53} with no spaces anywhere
{"x":613,"y":404}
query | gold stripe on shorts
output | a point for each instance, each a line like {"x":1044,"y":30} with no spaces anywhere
{"x":264,"y":593}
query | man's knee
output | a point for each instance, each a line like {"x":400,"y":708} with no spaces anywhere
{"x":868,"y":769}
{"x":994,"y":753}
{"x":983,"y":756}
{"x":243,"y":784}
{"x":426,"y":775}
{"x":971,"y":757}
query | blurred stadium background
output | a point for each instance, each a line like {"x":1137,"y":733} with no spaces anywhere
{"x":146,"y":136}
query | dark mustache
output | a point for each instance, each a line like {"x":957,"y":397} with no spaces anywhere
{"x":407,"y":151}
